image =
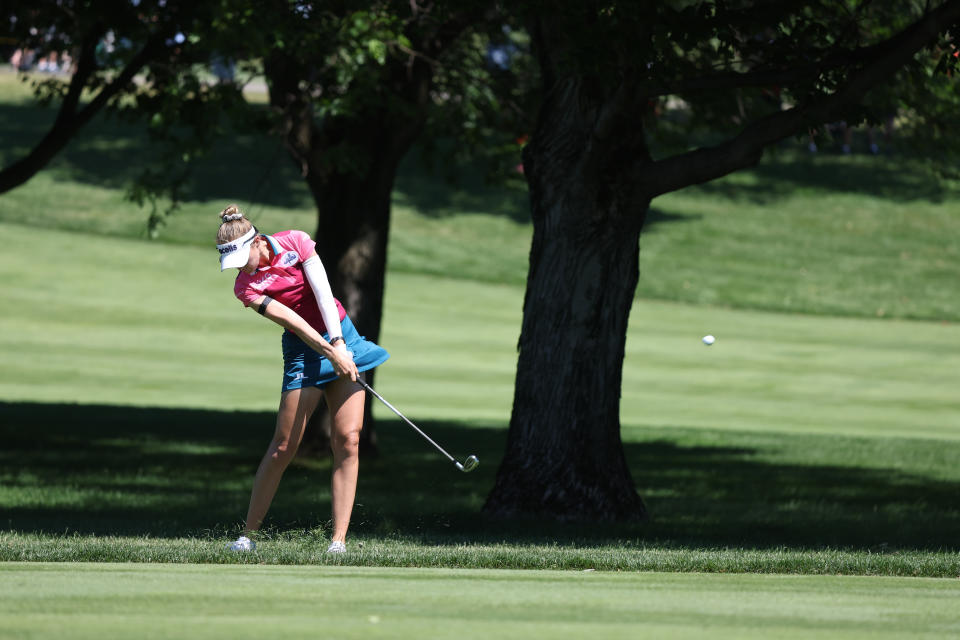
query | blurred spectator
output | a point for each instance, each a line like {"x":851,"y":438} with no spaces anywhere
{"x":840,"y":130}
{"x":22,"y":59}
{"x":223,"y":68}
{"x":874,"y":148}
{"x":49,"y":63}
{"x":112,"y":51}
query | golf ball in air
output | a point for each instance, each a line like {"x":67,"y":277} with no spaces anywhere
{"x":709,"y":340}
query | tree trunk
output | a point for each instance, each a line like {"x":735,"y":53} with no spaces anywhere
{"x":353,"y":212}
{"x":350,"y":164}
{"x":564,"y":457}
{"x":352,"y":232}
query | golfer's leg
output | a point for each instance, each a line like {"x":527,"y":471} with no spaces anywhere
{"x":295,"y":409}
{"x":345,"y":401}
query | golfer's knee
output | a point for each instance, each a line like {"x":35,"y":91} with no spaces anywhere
{"x":348,"y":443}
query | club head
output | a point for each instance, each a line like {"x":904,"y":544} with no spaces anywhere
{"x":471,"y":463}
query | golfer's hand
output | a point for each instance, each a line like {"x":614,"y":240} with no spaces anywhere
{"x":343,"y":363}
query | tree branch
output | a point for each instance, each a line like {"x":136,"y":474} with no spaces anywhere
{"x":439,"y":40}
{"x":69,"y":120}
{"x":149,"y":51}
{"x":746,"y":148}
{"x":726,"y":80}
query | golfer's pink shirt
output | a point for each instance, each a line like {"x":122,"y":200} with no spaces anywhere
{"x":283,"y":280}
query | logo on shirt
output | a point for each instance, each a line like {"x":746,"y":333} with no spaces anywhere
{"x":263,"y":282}
{"x":289,"y":258}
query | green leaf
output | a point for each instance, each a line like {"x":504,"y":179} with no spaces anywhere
{"x":378,"y":50}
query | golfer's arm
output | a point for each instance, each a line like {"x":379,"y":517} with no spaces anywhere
{"x":320,"y":284}
{"x":290,"y":319}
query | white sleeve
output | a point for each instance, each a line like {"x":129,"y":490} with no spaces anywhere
{"x":317,"y":277}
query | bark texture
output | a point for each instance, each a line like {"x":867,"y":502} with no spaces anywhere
{"x":353,"y":206}
{"x":352,"y":232}
{"x":564,"y":456}
{"x":591,"y":180}
{"x":353,"y":196}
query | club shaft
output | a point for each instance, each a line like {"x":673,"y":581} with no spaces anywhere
{"x":407,"y":420}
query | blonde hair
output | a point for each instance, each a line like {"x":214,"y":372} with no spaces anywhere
{"x":233,"y":224}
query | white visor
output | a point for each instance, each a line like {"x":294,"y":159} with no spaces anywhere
{"x":236,"y":253}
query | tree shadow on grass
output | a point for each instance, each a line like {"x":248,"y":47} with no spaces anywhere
{"x":738,"y":496}
{"x":248,"y":168}
{"x":109,"y":470}
{"x":242,"y":167}
{"x":464,"y":190}
{"x":254,"y":168}
{"x":899,"y":178}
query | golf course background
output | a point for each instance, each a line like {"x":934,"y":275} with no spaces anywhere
{"x":819,"y":435}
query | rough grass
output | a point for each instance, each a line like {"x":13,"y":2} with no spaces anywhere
{"x":308,"y":548}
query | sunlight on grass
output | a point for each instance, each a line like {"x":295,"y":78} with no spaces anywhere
{"x":103,"y":337}
{"x":363,"y":602}
{"x":858,"y":235}
{"x":818,"y":435}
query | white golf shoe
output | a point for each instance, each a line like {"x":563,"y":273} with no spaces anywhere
{"x":243,"y":543}
{"x":337,"y":546}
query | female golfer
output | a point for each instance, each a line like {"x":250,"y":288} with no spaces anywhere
{"x":281,"y":278}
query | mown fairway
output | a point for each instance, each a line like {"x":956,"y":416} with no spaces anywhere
{"x":794,"y":430}
{"x":820,"y":435}
{"x":120,"y":322}
{"x":171,"y":601}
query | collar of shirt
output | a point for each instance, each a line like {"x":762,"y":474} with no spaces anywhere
{"x":275,"y":252}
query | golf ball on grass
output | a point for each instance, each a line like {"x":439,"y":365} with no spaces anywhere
{"x":708,"y":340}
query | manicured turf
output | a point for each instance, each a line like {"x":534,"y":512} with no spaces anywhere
{"x":112,"y":321}
{"x":801,"y":432}
{"x":800,"y":443}
{"x":169,"y":601}
{"x":860,"y":235}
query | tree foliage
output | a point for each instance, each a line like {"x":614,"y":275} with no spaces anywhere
{"x":741,"y":76}
{"x":626,"y":100}
{"x":112,"y":43}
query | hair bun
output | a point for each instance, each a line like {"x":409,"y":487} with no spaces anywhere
{"x":231,"y":213}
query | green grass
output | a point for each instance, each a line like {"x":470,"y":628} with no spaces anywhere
{"x":792,"y":433}
{"x":818,"y":436}
{"x":166,"y":474}
{"x":146,"y":324}
{"x":307,"y":548}
{"x":823,"y":234}
{"x":161,"y":601}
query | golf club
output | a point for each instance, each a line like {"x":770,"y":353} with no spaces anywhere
{"x":468,"y":465}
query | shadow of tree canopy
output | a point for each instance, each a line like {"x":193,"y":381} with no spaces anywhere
{"x":109,"y":470}
{"x":464,"y":190}
{"x":251,"y":167}
{"x":246,"y":167}
{"x":438,"y":185}
{"x":109,"y":152}
{"x":899,"y":177}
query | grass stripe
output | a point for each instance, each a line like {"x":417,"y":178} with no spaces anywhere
{"x":157,"y":601}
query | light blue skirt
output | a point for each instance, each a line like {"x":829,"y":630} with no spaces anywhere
{"x":304,"y":367}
